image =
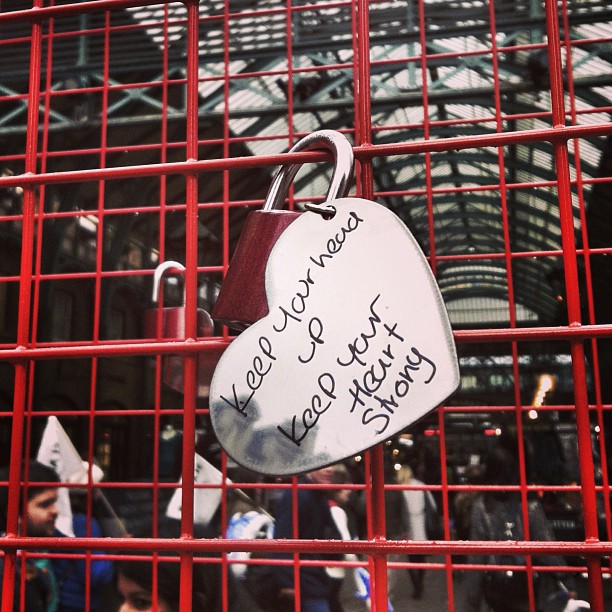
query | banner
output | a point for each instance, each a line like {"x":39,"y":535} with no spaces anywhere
{"x":57,"y":451}
{"x":205,"y":501}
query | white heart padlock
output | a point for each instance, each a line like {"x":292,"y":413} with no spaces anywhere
{"x":356,"y":347}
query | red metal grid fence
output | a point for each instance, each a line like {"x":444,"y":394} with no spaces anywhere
{"x":124,"y":148}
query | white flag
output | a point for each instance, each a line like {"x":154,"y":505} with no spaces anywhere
{"x":57,"y":451}
{"x":205,"y":501}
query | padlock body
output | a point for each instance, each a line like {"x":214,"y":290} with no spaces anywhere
{"x":173,"y":327}
{"x":172,"y":322}
{"x":242,"y":299}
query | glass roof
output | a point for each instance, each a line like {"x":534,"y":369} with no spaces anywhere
{"x":464,"y":67}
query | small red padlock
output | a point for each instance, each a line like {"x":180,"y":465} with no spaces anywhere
{"x":172,"y":325}
{"x":242,"y":299}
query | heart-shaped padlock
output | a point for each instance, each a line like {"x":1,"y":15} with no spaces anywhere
{"x":242,"y":299}
{"x":356,"y":346}
{"x":169,"y":322}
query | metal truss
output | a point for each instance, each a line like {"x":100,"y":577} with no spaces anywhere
{"x":461,"y":81}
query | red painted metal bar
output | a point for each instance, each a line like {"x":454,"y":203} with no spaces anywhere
{"x":377,"y":546}
{"x":433,"y":260}
{"x":162,"y":209}
{"x":115,"y":348}
{"x":225,"y":517}
{"x":588,"y":272}
{"x":518,"y":416}
{"x":573,"y":305}
{"x":190,"y":363}
{"x":28,"y":349}
{"x":363,"y":138}
{"x":291,"y":71}
{"x":446,"y":513}
{"x":24,"y":313}
{"x":558,"y":134}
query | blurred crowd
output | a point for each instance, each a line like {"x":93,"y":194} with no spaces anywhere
{"x":328,"y":503}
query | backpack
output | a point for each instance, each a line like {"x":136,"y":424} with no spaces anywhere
{"x":507,"y":588}
{"x":434,"y":524}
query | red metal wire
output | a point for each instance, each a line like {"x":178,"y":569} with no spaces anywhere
{"x":39,"y":175}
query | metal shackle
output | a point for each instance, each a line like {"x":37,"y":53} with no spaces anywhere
{"x":342,"y":175}
{"x":158,"y":275}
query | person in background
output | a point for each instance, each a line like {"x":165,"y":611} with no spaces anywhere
{"x":338,"y":501}
{"x":315,"y":522}
{"x":414,"y":508}
{"x":462,"y":505}
{"x":497,"y":515}
{"x":464,"y":500}
{"x":40,"y":509}
{"x":135,"y":579}
{"x":170,"y":445}
{"x":71,"y":574}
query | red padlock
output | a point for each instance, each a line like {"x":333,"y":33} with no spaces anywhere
{"x":242,"y":299}
{"x":169,"y":322}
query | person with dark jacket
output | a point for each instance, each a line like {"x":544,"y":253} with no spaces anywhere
{"x":39,"y":506}
{"x":498,"y":515}
{"x":144,"y":585}
{"x":74,"y":575}
{"x":71,"y":573}
{"x":315,"y":522}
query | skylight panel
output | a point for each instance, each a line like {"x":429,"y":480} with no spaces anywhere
{"x":590,"y":31}
{"x":589,"y":153}
{"x":466,"y":79}
{"x":591,"y":65}
{"x":462,"y":44}
{"x":155,"y":16}
{"x":408,"y":173}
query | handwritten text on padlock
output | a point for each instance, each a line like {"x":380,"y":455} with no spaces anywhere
{"x":355,"y":348}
